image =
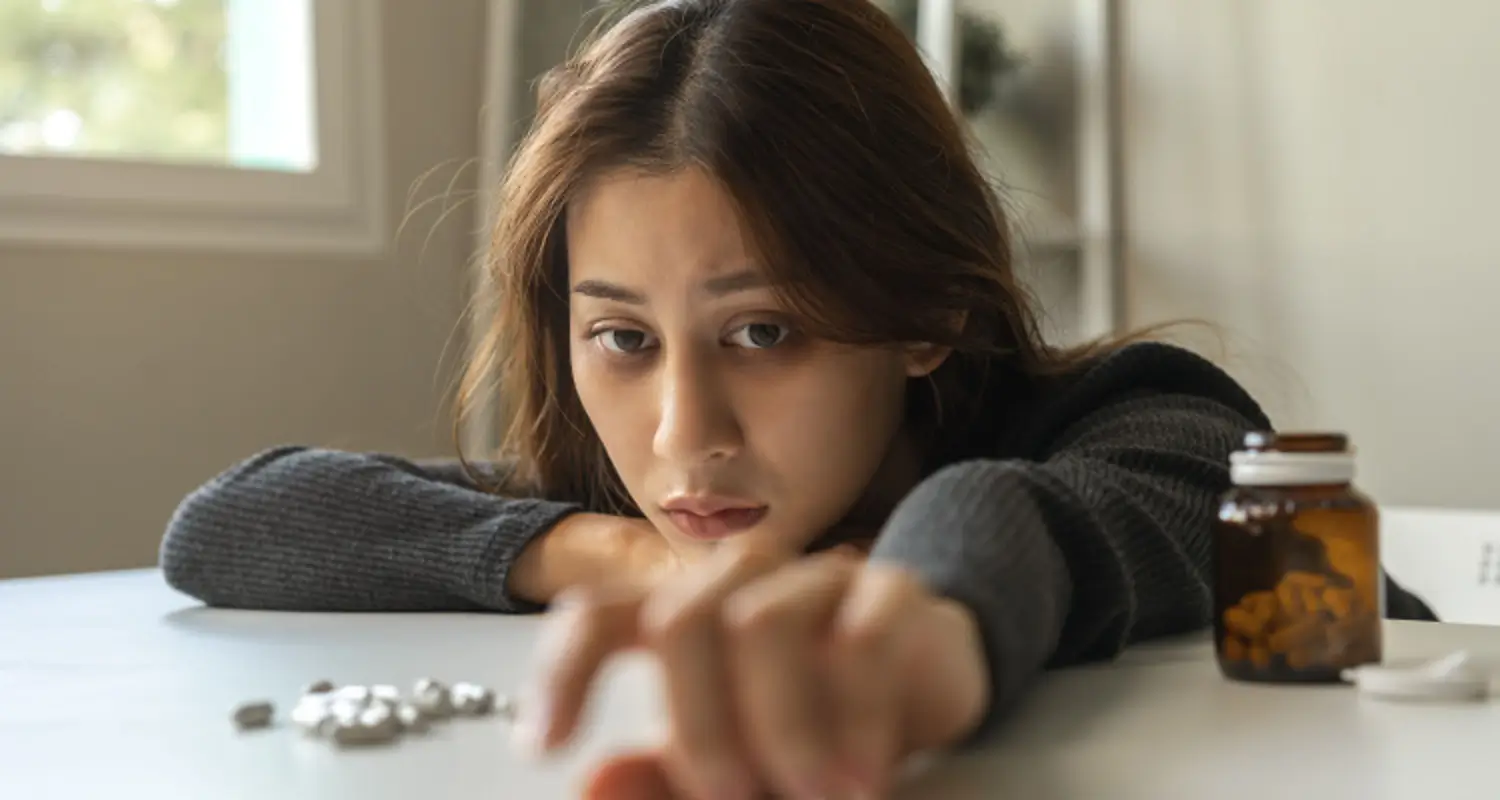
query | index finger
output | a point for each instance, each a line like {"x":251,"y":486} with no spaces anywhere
{"x":586,"y":628}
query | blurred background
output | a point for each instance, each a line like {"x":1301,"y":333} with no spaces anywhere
{"x":227,"y":224}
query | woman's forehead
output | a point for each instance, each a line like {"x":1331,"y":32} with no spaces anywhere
{"x":655,"y":228}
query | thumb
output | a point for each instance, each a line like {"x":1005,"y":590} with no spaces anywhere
{"x":630,"y":776}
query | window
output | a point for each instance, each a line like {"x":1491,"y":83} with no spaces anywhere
{"x":234,"y":124}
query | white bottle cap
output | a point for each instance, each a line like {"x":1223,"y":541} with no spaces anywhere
{"x":1456,"y":677}
{"x":1275,"y":468}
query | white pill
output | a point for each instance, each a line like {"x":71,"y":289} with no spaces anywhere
{"x":346,"y":711}
{"x":353,"y":694}
{"x":386,"y":692}
{"x":434,"y":701}
{"x":311,"y":713}
{"x":319,"y":687}
{"x":411,"y":718}
{"x":472,"y":699}
{"x":380,"y":717}
{"x":253,"y":715}
{"x":425,"y":685}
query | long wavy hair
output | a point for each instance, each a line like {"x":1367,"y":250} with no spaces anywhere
{"x":851,"y":173}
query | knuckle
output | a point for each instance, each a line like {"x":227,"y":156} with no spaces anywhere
{"x":863,"y":639}
{"x":666,"y":621}
{"x":755,"y":615}
{"x":899,"y":583}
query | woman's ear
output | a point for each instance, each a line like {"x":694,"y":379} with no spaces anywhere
{"x":922,"y":359}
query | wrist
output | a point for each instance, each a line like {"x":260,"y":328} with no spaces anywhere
{"x":585,"y":549}
{"x":948,"y":685}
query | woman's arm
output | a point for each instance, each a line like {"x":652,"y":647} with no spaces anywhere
{"x":1103,"y":543}
{"x":307,"y":529}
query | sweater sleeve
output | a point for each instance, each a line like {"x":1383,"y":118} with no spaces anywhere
{"x":296,"y":528}
{"x":1103,"y":542}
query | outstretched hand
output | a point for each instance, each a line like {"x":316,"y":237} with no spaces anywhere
{"x":812,"y":677}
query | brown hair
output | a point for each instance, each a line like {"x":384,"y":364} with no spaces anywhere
{"x":853,"y":176}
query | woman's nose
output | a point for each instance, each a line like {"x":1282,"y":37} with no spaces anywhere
{"x":696,"y":420}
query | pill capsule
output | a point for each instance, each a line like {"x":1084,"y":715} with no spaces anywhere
{"x":346,"y":711}
{"x":310,"y":713}
{"x":319,"y":687}
{"x":472,"y":699}
{"x":434,"y":702}
{"x":354,"y":694}
{"x":380,"y":717}
{"x":253,"y":715}
{"x":411,"y":718}
{"x":386,"y":692}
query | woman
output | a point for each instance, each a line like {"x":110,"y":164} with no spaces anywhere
{"x":759,"y":302}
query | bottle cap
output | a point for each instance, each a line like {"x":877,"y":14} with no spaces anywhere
{"x":1249,"y":468}
{"x":1456,"y":677}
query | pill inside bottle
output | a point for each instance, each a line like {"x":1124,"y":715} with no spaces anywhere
{"x":1297,"y":579}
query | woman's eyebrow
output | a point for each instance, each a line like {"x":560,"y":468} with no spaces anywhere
{"x":727,"y":284}
{"x":741,"y":281}
{"x":604,"y":290}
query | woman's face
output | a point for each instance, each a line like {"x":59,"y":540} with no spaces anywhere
{"x":720,"y":415}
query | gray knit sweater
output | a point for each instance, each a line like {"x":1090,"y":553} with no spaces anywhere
{"x":1081,"y":521}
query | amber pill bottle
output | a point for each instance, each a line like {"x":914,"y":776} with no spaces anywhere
{"x":1298,"y":588}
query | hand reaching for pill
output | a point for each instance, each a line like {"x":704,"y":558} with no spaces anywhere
{"x":811,"y":676}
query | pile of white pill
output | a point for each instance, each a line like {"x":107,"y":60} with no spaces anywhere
{"x":379,"y":714}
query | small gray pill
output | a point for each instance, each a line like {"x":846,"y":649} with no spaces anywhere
{"x":359,"y":734}
{"x":319,"y":687}
{"x":253,"y":715}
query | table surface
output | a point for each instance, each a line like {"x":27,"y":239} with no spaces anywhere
{"x":112,"y":685}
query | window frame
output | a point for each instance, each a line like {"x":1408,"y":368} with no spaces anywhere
{"x":339,"y":207}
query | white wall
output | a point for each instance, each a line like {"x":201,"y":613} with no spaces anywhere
{"x":1321,"y":178}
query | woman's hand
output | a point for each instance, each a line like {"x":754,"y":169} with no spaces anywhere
{"x":813,"y":677}
{"x":592,"y":550}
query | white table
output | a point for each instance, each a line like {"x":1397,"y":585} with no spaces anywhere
{"x":114,"y":686}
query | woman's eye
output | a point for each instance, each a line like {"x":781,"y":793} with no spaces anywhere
{"x":625,"y":341}
{"x":760,"y":335}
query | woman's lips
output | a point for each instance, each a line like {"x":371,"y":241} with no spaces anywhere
{"x":716,"y":525}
